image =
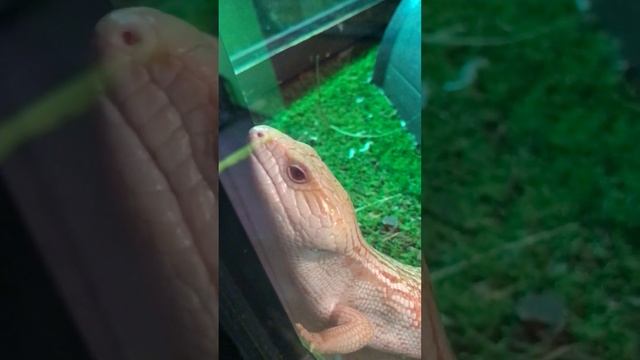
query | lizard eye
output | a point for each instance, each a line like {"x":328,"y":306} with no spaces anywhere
{"x":297,"y":174}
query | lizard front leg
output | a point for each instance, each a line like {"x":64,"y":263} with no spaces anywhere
{"x":352,"y":331}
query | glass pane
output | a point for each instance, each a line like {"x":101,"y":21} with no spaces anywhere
{"x":277,"y":17}
{"x":255,"y":29}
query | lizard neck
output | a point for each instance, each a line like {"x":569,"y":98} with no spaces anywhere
{"x":387,"y":268}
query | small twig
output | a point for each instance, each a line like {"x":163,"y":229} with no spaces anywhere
{"x":558,"y":352}
{"x":627,"y":104}
{"x":522,"y":243}
{"x":448,"y":223}
{"x":387,"y":238}
{"x":467,"y":76}
{"x":444,"y":38}
{"x":317,"y":70}
{"x":377,"y":202}
{"x":360,"y":135}
{"x":234,"y":157}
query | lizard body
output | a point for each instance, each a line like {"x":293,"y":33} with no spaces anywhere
{"x":364,"y":298}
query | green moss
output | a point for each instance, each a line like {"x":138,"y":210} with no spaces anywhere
{"x":546,"y":136}
{"x":383,"y":180}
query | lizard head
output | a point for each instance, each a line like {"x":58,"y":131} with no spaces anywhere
{"x":308,"y":204}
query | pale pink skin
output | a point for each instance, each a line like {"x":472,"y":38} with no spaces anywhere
{"x":368,"y":306}
{"x":160,"y":130}
{"x":363,"y":300}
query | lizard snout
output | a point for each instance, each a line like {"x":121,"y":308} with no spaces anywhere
{"x":126,"y":31}
{"x":259,"y":132}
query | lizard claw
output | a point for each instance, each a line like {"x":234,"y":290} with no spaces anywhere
{"x":311,"y":338}
{"x":352,"y":332}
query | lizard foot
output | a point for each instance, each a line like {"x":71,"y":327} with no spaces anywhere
{"x":352,"y":332}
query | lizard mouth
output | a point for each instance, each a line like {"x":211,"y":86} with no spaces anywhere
{"x":265,"y":174}
{"x":265,"y":151}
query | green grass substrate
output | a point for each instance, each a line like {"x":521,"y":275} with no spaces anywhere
{"x":538,"y":150}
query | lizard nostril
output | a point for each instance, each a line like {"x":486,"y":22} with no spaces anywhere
{"x":259,"y":134}
{"x":130,"y":38}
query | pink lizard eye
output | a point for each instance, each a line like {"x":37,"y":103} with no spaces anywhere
{"x":297,"y":174}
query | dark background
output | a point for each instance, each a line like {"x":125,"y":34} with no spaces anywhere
{"x":42,"y":44}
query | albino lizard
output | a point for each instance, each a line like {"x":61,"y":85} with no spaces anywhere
{"x":365,"y":298}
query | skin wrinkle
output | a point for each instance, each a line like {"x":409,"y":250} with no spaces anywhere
{"x":181,"y":280}
{"x":280,"y":203}
{"x":147,"y":153}
{"x":180,"y":139}
{"x":194,"y":111}
{"x":268,"y":173}
{"x":120,"y":100}
{"x":189,"y":117}
{"x":176,"y":73}
{"x":154,"y":100}
{"x":191,"y":121}
{"x":186,"y":159}
{"x":170,"y":189}
{"x":146,"y":127}
{"x":177,"y":275}
{"x":168,"y":65}
{"x":171,"y":106}
{"x":152,"y":154}
{"x":181,"y":171}
{"x":300,"y":201}
{"x":183,"y":83}
{"x":173,"y":268}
